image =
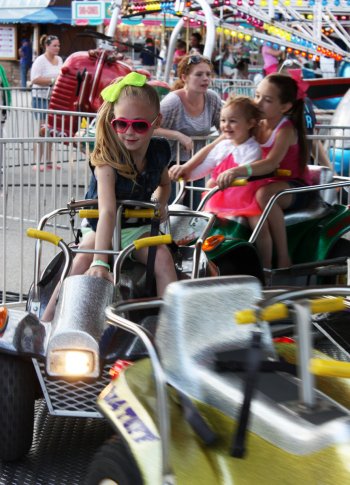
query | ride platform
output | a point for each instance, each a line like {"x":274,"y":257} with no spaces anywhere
{"x":61,"y":452}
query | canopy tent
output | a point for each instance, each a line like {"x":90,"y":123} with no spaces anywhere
{"x":33,"y":12}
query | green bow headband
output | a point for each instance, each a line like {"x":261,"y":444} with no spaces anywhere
{"x":111,"y":93}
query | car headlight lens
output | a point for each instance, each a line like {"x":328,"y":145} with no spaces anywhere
{"x":71,"y":363}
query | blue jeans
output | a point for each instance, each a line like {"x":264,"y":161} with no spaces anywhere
{"x":24,"y":68}
{"x":39,"y":103}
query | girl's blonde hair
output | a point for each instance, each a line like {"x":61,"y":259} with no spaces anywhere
{"x":108,"y":147}
{"x":248,"y":108}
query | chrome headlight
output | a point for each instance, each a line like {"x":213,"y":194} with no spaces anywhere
{"x":71,"y":363}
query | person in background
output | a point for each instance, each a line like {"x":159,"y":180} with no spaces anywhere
{"x":241,"y":71}
{"x":228,"y":61}
{"x":271,"y":58}
{"x":25,"y":53}
{"x":179,"y":53}
{"x":149,"y":53}
{"x":45,"y":70}
{"x":196,"y":46}
{"x":191,"y":109}
{"x":43,"y":74}
{"x":5,"y":98}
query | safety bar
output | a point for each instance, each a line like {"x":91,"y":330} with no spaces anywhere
{"x":300,"y":309}
{"x":136,"y":245}
{"x":68,"y":258}
{"x":295,"y":190}
{"x":160,"y":383}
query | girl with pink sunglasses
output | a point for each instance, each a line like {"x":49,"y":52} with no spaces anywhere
{"x":127,"y":163}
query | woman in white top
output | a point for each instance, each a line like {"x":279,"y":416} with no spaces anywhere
{"x":43,"y":74}
{"x":45,"y":70}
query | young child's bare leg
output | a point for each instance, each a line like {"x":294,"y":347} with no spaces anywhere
{"x":275,"y":220}
{"x":81,"y":263}
{"x":164,"y":269}
{"x":263,"y":242}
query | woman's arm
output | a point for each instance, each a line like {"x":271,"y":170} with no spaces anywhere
{"x":185,"y":140}
{"x":44,"y":81}
{"x":273,"y":52}
{"x":284,"y":139}
{"x":38,"y":74}
{"x":107,"y":208}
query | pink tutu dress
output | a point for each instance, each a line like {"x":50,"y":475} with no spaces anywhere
{"x":241,"y":201}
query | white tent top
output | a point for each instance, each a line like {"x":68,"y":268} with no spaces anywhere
{"x":34,"y":4}
{"x":16,"y":9}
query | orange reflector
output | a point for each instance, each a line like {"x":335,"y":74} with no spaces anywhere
{"x":3,"y":317}
{"x":213,"y":242}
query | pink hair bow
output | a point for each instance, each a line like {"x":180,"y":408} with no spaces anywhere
{"x":303,"y":86}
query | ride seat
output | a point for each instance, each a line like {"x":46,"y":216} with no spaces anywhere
{"x":320,"y":204}
{"x":195,"y":322}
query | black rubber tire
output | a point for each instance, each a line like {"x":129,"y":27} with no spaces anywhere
{"x":17,"y":389}
{"x":113,"y":461}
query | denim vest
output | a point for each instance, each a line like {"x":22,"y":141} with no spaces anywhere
{"x":158,"y":157}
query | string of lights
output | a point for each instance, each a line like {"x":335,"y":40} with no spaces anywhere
{"x":249,"y":20}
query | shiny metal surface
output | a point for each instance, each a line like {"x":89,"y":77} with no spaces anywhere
{"x":24,"y":333}
{"x":79,"y":319}
{"x":196,"y":321}
{"x":81,"y":306}
{"x":76,"y":398}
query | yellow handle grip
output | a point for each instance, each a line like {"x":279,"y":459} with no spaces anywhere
{"x":44,"y":236}
{"x":94,"y":213}
{"x":88,"y":213}
{"x":245,"y":316}
{"x":322,"y":305}
{"x":141,"y":213}
{"x":277,"y":311}
{"x":146,"y":242}
{"x":281,"y":172}
{"x":329,"y":368}
{"x":239,"y":182}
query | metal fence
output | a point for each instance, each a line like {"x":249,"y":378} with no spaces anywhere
{"x":240,"y":87}
{"x":43,"y":164}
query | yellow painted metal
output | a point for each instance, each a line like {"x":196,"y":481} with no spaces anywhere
{"x":43,"y":236}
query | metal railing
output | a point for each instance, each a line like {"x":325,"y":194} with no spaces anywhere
{"x":240,"y":87}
